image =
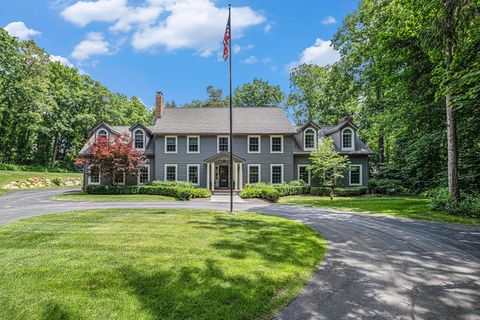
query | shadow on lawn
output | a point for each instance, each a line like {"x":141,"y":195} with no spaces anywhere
{"x":212,"y":291}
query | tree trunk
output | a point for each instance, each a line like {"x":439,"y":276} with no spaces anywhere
{"x":381,"y":147}
{"x":452,"y":152}
{"x":55,"y":150}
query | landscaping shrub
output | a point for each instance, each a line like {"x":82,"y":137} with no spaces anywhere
{"x":387,"y":186}
{"x":340,"y":192}
{"x":95,"y":189}
{"x":165,"y":183}
{"x":260,"y":190}
{"x":180,"y":193}
{"x":439,"y":199}
{"x":57,"y":181}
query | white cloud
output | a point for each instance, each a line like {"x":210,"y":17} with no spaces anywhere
{"x":63,"y":61}
{"x":250,"y":60}
{"x":94,"y":44}
{"x":328,"y":20}
{"x":321,"y":53}
{"x":83,"y":12}
{"x":194,"y":24}
{"x":136,"y":16}
{"x":267,"y":27}
{"x":19,"y":29}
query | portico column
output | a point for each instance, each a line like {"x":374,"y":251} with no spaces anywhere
{"x":208,"y":176}
{"x":213,"y":176}
{"x":235,"y":175}
{"x":241,"y":177}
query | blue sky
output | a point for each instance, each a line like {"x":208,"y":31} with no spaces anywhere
{"x":137,"y":47}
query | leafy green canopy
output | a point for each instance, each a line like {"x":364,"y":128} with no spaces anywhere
{"x":47,"y":110}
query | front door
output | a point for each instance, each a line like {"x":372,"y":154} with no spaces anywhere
{"x":223,"y":176}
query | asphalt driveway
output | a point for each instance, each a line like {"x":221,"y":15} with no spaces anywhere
{"x":376,"y":267}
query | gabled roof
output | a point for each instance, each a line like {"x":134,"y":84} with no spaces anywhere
{"x":308,"y":124}
{"x":216,"y":121}
{"x":224,"y":155}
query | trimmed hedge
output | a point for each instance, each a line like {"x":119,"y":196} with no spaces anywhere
{"x":95,"y":189}
{"x":341,"y":192}
{"x":181,"y":193}
{"x":286,"y":190}
{"x":268,"y":193}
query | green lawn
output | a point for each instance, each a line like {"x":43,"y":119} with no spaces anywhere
{"x":111,"y":197}
{"x":405,"y":207}
{"x":153,"y":264}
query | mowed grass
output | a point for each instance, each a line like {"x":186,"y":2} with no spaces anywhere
{"x":153,"y":264}
{"x":404,"y":207}
{"x":79,"y":196}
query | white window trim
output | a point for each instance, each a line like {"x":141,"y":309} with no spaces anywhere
{"x":165,"y":171}
{"x":198,"y":173}
{"x":298,"y":172}
{"x":176,"y":144}
{"x":99,"y":177}
{"x":271,"y":173}
{"x":144,"y":139}
{"x":102,"y":129}
{"x":148,"y":170}
{"x":314,"y":139}
{"x":259,"y":144}
{"x":259,"y":172}
{"x":271,"y":146}
{"x":350,"y":175}
{"x":218,"y":145}
{"x":353,"y":139}
{"x":188,"y":144}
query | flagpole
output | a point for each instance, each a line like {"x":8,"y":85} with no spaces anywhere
{"x":231,"y":108}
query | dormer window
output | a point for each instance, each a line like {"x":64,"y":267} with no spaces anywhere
{"x":102,"y":133}
{"x":347,"y":139}
{"x":139,"y":139}
{"x":309,"y":139}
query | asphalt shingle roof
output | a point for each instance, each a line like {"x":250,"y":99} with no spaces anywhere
{"x":216,"y":121}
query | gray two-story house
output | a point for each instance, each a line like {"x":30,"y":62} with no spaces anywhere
{"x":193,"y":145}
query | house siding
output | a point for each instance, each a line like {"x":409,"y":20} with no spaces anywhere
{"x":208,"y":148}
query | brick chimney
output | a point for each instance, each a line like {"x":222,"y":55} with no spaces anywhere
{"x":159,"y":104}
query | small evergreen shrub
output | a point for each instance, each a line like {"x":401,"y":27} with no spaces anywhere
{"x":267,"y":192}
{"x":165,"y":183}
{"x":57,"y":181}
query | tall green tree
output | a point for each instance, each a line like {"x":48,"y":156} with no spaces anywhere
{"x":258,"y":93}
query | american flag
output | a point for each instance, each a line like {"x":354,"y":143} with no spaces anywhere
{"x":226,"y":40}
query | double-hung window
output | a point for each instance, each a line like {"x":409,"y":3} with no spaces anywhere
{"x":139,"y":139}
{"x":94,"y":175}
{"x":171,"y":172}
{"x":276,"y":144}
{"x":193,"y":144}
{"x":170,"y":144}
{"x":276,"y":173}
{"x":253,"y":173}
{"x":223,"y":143}
{"x":355,"y":175}
{"x":303,"y":173}
{"x":254,"y":144}
{"x":347,"y":139}
{"x":144,"y":175}
{"x":193,"y":171}
{"x":309,"y":139}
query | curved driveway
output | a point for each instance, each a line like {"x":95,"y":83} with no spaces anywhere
{"x":376,"y":267}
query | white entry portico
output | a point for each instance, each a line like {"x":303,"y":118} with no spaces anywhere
{"x":218,"y":171}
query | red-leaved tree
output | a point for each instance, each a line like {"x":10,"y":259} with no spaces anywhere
{"x":113,"y":155}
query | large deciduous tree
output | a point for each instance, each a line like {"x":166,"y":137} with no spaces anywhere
{"x":258,"y":93}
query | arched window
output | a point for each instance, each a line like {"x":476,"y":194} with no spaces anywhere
{"x":309,"y":140}
{"x":139,"y":139}
{"x":102,"y":133}
{"x":347,"y":139}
